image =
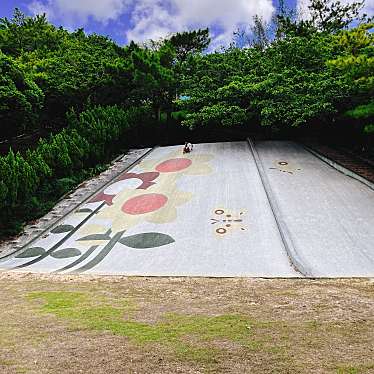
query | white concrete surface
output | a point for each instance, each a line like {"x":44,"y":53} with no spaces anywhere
{"x":329,"y":215}
{"x":207,"y":214}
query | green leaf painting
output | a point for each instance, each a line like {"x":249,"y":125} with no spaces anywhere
{"x":62,"y":229}
{"x":84,"y":210}
{"x":147,"y":240}
{"x":66,"y":253}
{"x":95,"y":237}
{"x":31,"y":252}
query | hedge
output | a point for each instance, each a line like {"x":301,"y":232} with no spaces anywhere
{"x":87,"y":140}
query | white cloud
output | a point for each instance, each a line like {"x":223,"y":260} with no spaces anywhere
{"x":77,"y":12}
{"x":303,"y":11}
{"x":37,"y":7}
{"x":154,"y":19}
{"x":158,"y":18}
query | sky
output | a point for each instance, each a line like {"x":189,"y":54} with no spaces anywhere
{"x":141,"y":20}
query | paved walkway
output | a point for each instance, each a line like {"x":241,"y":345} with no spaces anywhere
{"x":208,"y":214}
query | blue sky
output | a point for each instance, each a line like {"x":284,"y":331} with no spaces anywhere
{"x":139,"y":20}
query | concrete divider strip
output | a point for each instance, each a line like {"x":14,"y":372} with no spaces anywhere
{"x":298,"y":264}
{"x":340,"y":168}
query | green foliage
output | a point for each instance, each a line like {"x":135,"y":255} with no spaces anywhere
{"x":85,"y":67}
{"x":154,"y":80}
{"x":45,"y":71}
{"x":222,"y":114}
{"x":179,"y":115}
{"x":294,"y":98}
{"x":331,"y":16}
{"x":286,"y":84}
{"x":190,"y":43}
{"x":20,"y":98}
{"x":102,"y":126}
{"x":369,"y":129}
{"x":363,"y":117}
{"x":25,"y":34}
{"x":356,"y":57}
{"x":64,"y":185}
{"x":362,"y":111}
{"x":90,"y":138}
{"x":312,"y":71}
{"x":327,"y":16}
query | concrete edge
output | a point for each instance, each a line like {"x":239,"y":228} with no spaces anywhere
{"x":89,"y":196}
{"x":106,"y":276}
{"x":294,"y":257}
{"x":15,"y":272}
{"x":339,"y":167}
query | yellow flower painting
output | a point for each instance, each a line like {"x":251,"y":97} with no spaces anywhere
{"x":154,"y":201}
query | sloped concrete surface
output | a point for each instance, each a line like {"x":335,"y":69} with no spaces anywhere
{"x":71,"y":201}
{"x":209,"y":213}
{"x":329,"y":215}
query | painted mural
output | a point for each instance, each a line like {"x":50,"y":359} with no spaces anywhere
{"x":226,"y":221}
{"x":150,"y":195}
{"x":285,"y":167}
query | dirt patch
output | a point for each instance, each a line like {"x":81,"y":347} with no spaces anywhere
{"x":91,"y":324}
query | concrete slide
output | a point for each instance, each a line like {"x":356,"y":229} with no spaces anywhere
{"x":224,"y":210}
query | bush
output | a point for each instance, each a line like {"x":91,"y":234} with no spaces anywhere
{"x":91,"y":137}
{"x":20,"y":98}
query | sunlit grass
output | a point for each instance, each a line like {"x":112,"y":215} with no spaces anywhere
{"x":173,"y":330}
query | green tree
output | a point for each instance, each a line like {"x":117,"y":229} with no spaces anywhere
{"x":328,"y":16}
{"x":154,"y":80}
{"x":332,"y":16}
{"x":355,"y":58}
{"x":189,"y":43}
{"x":21,"y":100}
{"x":26,"y":34}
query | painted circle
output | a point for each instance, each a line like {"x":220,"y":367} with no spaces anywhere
{"x":144,"y":203}
{"x":173,"y":165}
{"x":221,"y":231}
{"x":219,"y":211}
{"x":283,"y":163}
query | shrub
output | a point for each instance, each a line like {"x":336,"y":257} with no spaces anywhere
{"x":90,"y":137}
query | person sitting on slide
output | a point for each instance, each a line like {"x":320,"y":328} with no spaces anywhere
{"x":187,"y":147}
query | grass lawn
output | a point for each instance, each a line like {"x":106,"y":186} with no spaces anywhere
{"x":90,"y":324}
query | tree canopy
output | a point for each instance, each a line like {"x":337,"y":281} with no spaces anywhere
{"x":293,"y":73}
